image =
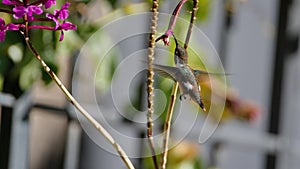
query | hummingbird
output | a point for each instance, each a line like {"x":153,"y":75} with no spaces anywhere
{"x":183,"y":74}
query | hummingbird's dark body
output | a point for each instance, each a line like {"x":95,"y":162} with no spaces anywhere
{"x":184,"y":75}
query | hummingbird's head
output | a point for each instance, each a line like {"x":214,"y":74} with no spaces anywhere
{"x":181,"y":55}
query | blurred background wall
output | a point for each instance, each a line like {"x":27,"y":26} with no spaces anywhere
{"x":258,"y":41}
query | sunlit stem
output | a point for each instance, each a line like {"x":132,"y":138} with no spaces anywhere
{"x":192,"y":20}
{"x":167,"y":126}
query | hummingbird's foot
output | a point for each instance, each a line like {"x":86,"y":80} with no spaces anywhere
{"x":182,"y":97}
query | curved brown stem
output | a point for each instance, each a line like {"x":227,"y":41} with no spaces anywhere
{"x":73,"y":101}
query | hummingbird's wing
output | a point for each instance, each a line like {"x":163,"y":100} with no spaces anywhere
{"x":167,"y":71}
{"x":200,"y":73}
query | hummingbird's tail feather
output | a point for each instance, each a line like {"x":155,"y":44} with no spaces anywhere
{"x":203,"y":76}
{"x":203,"y":72}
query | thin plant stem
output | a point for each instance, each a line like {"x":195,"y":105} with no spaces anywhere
{"x":6,"y":11}
{"x":150,"y":80}
{"x":192,"y":20}
{"x":41,"y":27}
{"x":73,"y":101}
{"x":167,"y":124}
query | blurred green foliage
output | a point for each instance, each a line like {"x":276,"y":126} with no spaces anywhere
{"x":203,"y":10}
{"x":18,"y":64}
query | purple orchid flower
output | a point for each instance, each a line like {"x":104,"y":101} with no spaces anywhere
{"x":11,"y":2}
{"x":54,"y":18}
{"x":20,"y":11}
{"x":4,"y":28}
{"x":61,"y":14}
{"x":49,"y":3}
{"x":64,"y":27}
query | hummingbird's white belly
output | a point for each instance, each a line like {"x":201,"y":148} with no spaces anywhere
{"x":188,"y":85}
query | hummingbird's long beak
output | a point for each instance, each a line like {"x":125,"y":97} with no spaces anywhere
{"x":176,"y":42}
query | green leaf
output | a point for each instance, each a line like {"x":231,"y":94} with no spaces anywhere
{"x":5,"y":64}
{"x":113,"y":3}
{"x":1,"y":82}
{"x":29,"y":74}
